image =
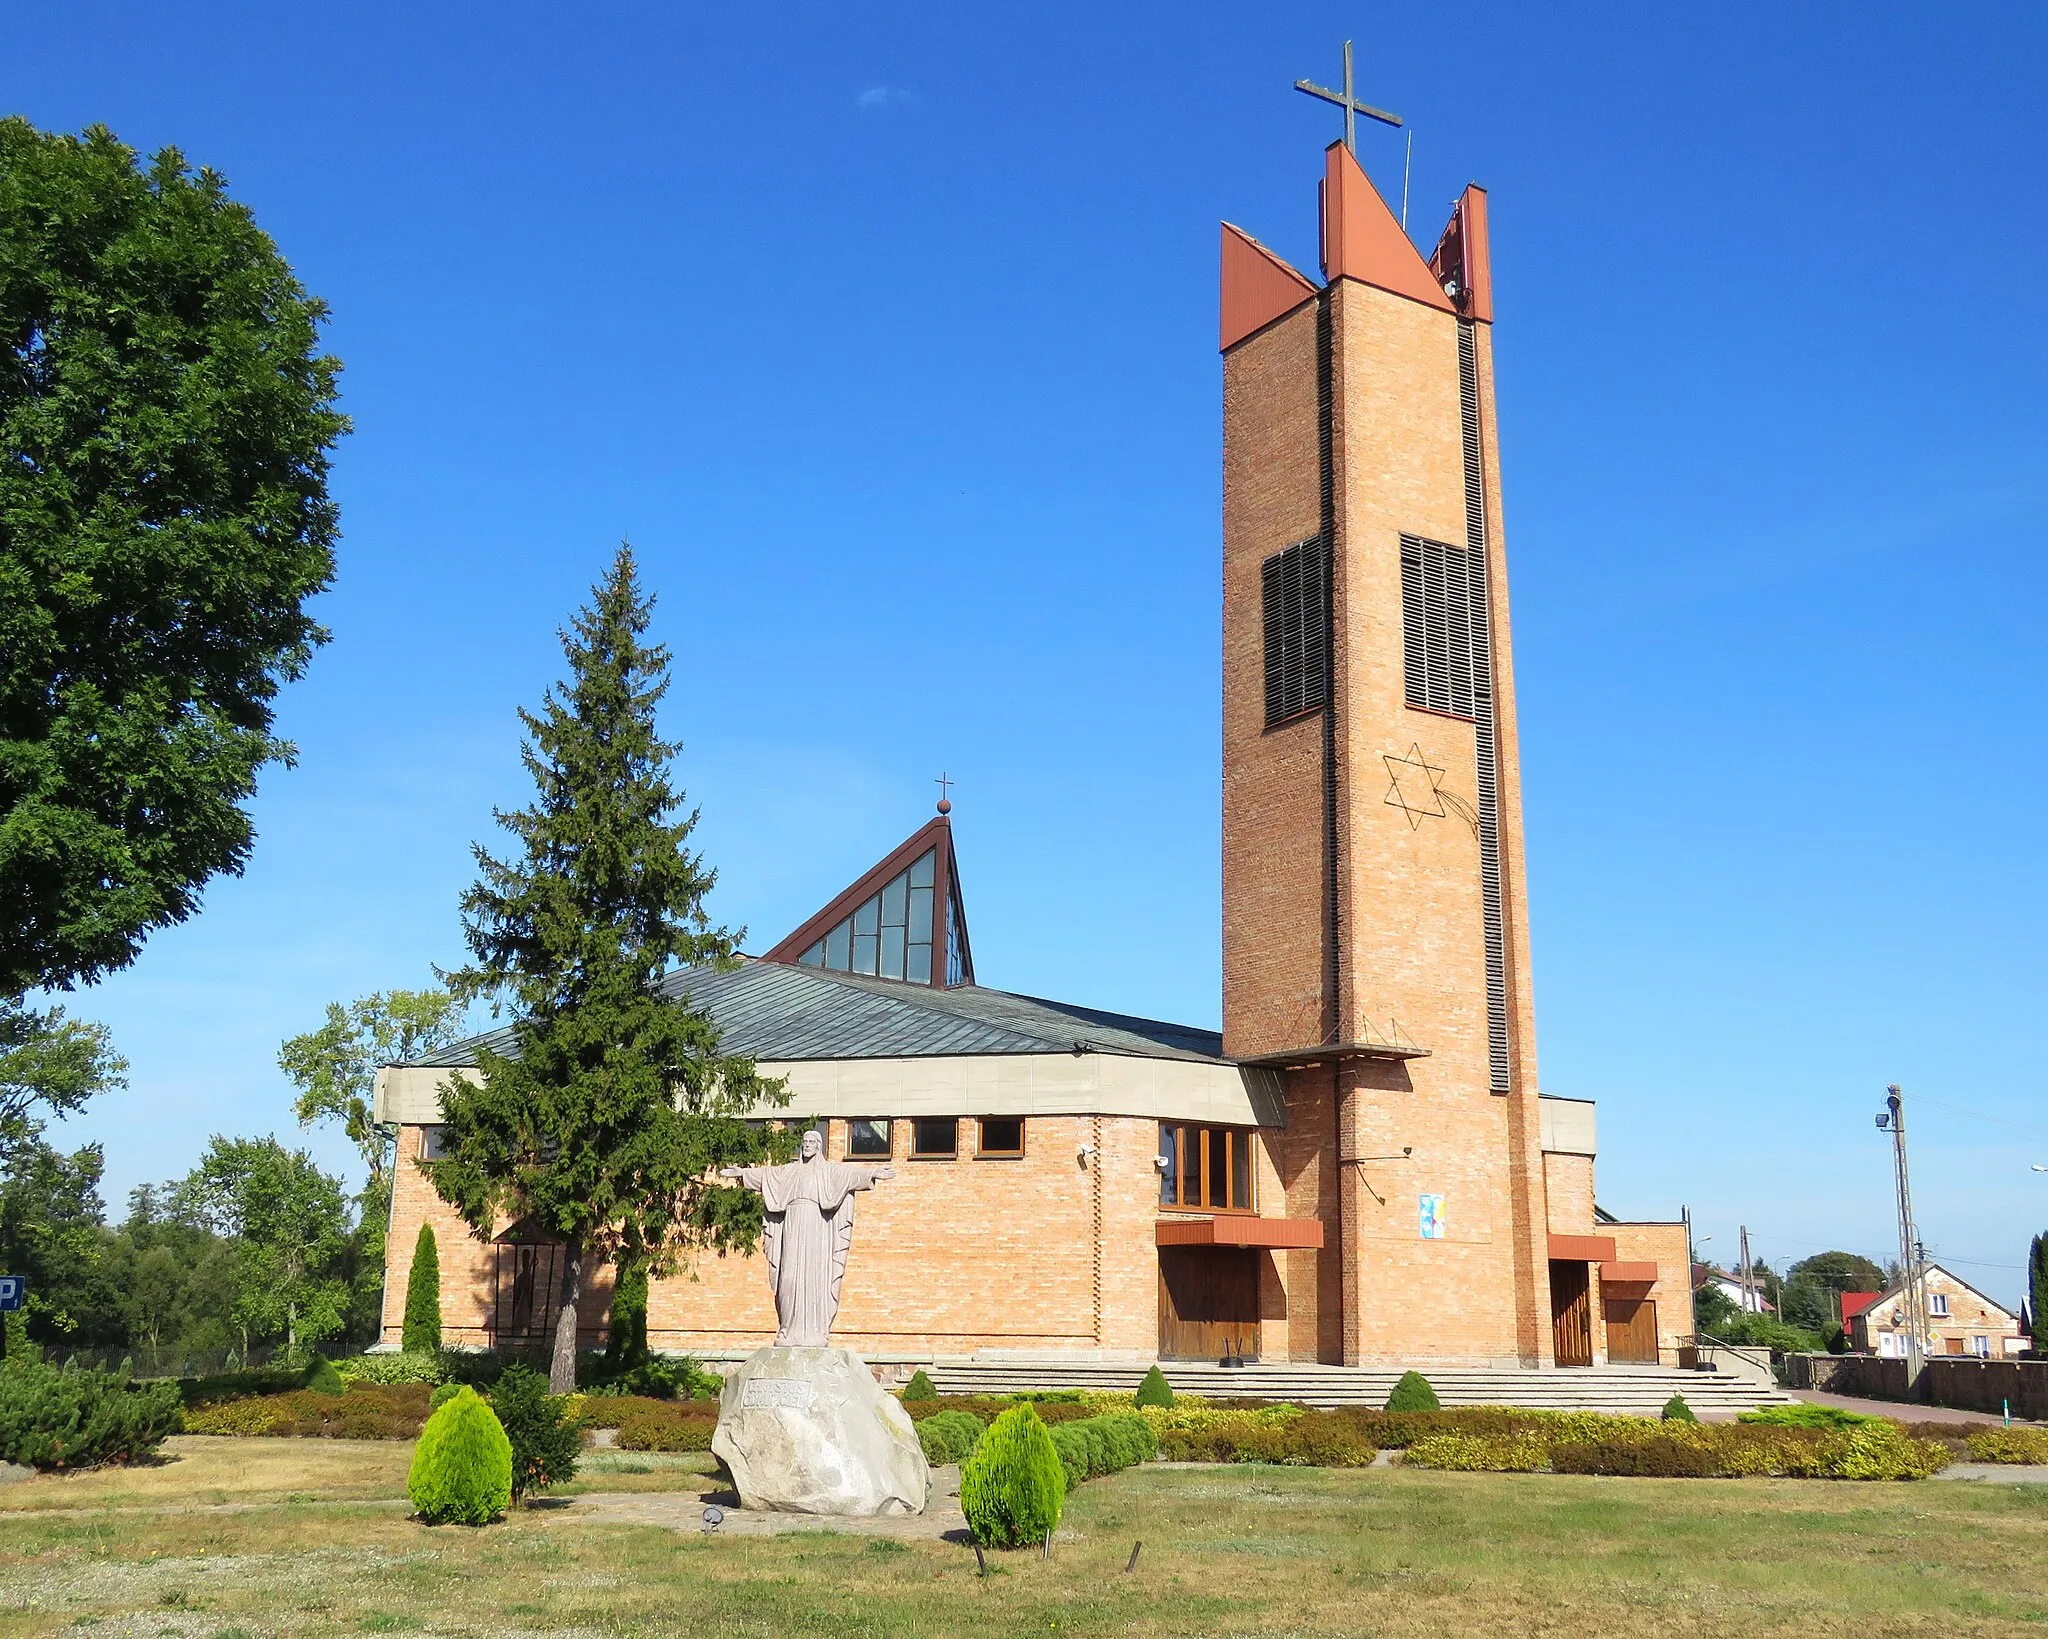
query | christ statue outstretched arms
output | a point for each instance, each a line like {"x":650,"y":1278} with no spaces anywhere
{"x":808,"y":1234}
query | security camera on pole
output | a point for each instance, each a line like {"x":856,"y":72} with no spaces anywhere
{"x":1894,"y":1118}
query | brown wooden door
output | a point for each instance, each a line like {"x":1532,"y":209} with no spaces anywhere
{"x":1208,"y":1302}
{"x":1571,"y":1313}
{"x":1631,"y":1329}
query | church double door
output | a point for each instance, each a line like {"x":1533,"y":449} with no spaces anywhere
{"x":1571,"y":1312}
{"x":1208,"y":1302}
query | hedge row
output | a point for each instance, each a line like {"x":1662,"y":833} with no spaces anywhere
{"x":2007,"y":1445}
{"x":1874,"y":1450}
{"x":364,"y":1412}
{"x":1090,"y":1447}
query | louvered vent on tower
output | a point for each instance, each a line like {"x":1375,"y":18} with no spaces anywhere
{"x":1443,"y":625}
{"x":1295,"y":586}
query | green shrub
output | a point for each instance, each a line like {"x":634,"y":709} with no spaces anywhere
{"x":1805,"y":1414}
{"x":391,"y":1368}
{"x":1677,"y":1411}
{"x":1413,"y":1393}
{"x":1879,"y":1450}
{"x":367,"y":1411}
{"x":625,"y":1342}
{"x":919,"y":1387}
{"x":953,"y":1434}
{"x":544,"y":1444}
{"x":80,"y":1419}
{"x":1012,"y":1487}
{"x":462,"y":1467}
{"x":206,"y":1391}
{"x":665,"y":1425}
{"x":1524,"y":1453}
{"x":2008,"y":1445}
{"x":421,"y":1333}
{"x":1155,"y":1390}
{"x":652,"y":1377}
{"x":322,"y":1378}
{"x":1666,"y":1457}
{"x":443,"y":1394}
{"x":1072,"y":1445}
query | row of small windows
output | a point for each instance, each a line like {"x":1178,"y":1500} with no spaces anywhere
{"x":937,"y":1138}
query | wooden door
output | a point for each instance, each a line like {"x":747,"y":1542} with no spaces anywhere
{"x":1208,"y":1302}
{"x":1631,"y":1329}
{"x":1571,"y":1313}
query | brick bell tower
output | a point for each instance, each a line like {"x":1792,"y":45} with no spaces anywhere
{"x":1375,"y":949}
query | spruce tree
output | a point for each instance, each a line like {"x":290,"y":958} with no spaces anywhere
{"x":2037,"y":1287}
{"x":604,"y":1123}
{"x":422,"y":1334}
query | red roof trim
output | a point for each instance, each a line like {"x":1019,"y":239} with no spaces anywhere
{"x":935,"y":832}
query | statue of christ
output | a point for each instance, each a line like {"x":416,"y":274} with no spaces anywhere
{"x":808,"y":1234}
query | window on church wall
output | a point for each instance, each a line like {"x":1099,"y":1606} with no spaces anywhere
{"x":999,"y":1137}
{"x":869,"y":1140}
{"x":934,"y":1138}
{"x":433,"y":1144}
{"x":1205,"y":1169}
{"x":1295,"y":605}
{"x":889,"y":936}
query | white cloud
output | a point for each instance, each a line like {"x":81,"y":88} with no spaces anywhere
{"x":880,"y":96}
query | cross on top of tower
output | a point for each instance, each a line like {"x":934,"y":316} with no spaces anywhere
{"x":1348,"y":101}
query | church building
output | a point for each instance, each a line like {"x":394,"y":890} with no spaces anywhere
{"x":1360,"y":1168}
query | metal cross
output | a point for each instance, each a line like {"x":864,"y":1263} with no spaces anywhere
{"x":1349,"y":103}
{"x":944,"y":784}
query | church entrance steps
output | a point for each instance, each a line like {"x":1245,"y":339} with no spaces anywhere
{"x":1639,"y":1389}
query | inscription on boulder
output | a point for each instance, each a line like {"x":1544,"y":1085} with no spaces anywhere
{"x":777,"y":1391}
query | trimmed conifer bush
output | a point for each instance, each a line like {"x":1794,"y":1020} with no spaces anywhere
{"x":919,"y":1387}
{"x":443,"y":1393}
{"x":1072,"y":1445}
{"x":625,"y":1343}
{"x":462,"y":1467}
{"x":1013,"y":1486}
{"x":1677,"y":1411}
{"x":322,"y":1378}
{"x":422,"y":1331}
{"x":544,"y":1443}
{"x":1155,"y":1390}
{"x":80,"y":1419}
{"x":1413,"y":1393}
{"x":952,"y":1435}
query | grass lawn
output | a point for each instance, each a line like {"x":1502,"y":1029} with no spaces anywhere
{"x":239,"y":1538}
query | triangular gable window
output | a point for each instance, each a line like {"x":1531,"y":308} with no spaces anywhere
{"x":890,"y":936}
{"x":903,"y":920}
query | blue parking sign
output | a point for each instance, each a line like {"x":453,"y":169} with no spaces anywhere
{"x":13,"y":1293}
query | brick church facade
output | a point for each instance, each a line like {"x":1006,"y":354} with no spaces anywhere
{"x":1360,"y":1168}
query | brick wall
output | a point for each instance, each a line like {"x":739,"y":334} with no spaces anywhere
{"x":1041,"y":1252}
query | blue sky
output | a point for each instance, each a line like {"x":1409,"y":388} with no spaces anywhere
{"x":888,"y":336}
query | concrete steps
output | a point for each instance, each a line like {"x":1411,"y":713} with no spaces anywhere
{"x":1639,"y":1389}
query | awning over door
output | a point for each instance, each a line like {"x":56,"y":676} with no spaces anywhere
{"x":1241,"y":1231}
{"x":1583,"y":1248}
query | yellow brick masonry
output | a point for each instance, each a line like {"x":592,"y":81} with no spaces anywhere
{"x":948,"y":1256}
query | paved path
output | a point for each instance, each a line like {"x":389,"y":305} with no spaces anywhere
{"x":1906,"y":1411}
{"x":1998,"y":1473}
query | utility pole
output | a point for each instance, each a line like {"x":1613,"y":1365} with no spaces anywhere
{"x":1910,"y":1259}
{"x":1750,"y":1305}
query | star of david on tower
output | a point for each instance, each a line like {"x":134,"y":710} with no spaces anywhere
{"x":1348,"y":101}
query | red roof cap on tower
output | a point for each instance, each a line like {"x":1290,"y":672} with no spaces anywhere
{"x":1257,"y":287}
{"x":1363,"y":241}
{"x":1464,"y":255}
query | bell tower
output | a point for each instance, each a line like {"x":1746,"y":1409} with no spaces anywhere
{"x":1375,"y":924}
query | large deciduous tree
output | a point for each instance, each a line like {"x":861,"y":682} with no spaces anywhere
{"x":335,"y":1066}
{"x":293,"y":1223}
{"x":604,"y":1123}
{"x":165,"y":422}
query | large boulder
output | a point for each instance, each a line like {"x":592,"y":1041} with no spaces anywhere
{"x":809,"y":1431}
